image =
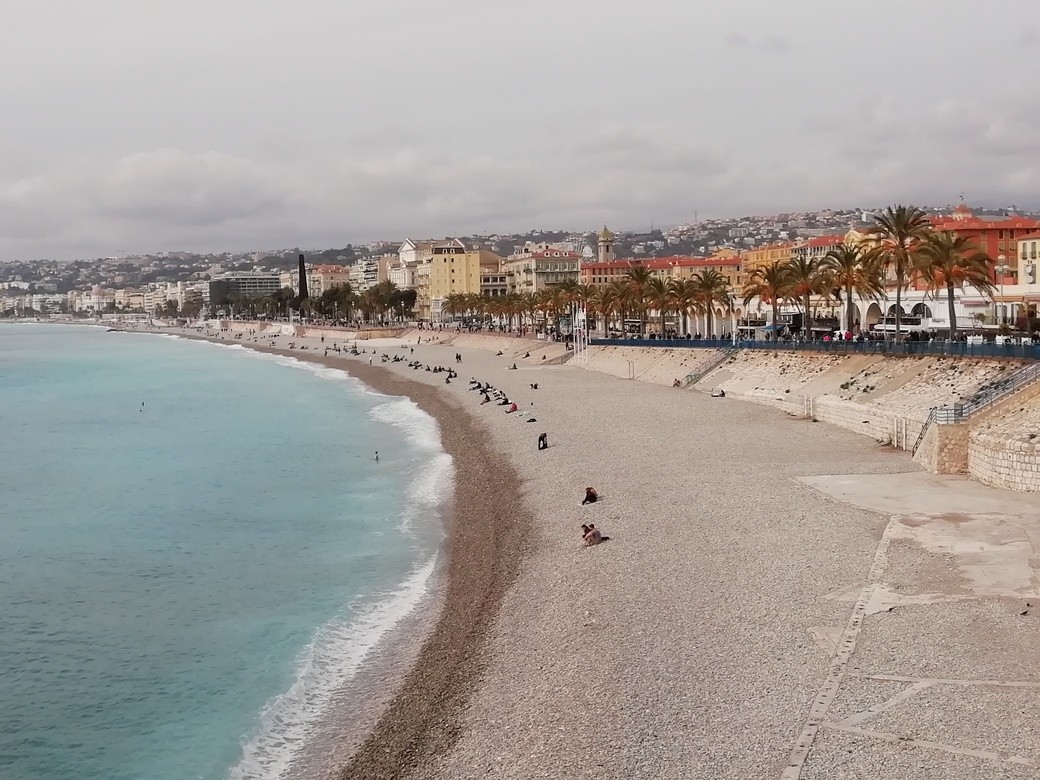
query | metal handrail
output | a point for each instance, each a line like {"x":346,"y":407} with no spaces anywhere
{"x":910,"y":348}
{"x":947,"y":415}
{"x":696,"y":376}
{"x":924,"y":429}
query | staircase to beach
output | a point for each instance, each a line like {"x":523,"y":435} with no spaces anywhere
{"x":1007,"y":388}
{"x":708,"y":366}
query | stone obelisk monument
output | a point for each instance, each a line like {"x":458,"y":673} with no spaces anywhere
{"x":303,"y":280}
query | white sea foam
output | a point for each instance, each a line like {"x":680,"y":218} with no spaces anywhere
{"x":331,"y":660}
{"x":432,"y":480}
{"x":338,"y":649}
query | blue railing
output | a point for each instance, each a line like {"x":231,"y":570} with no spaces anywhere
{"x":938,"y":348}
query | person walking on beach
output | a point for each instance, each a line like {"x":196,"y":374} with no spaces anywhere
{"x":543,"y":441}
{"x":377,"y":456}
{"x":591,"y":496}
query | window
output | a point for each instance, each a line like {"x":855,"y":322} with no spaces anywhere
{"x":1023,"y":250}
{"x":1032,"y":250}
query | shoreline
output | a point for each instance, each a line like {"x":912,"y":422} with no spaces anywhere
{"x":485,"y":545}
{"x":699,"y":641}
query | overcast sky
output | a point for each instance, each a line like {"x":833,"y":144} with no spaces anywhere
{"x":145,"y":125}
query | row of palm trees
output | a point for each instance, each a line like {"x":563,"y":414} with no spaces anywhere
{"x":902,"y":248}
{"x":634,"y":296}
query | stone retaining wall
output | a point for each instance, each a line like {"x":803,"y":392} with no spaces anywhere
{"x":1004,"y":463}
{"x":871,"y":420}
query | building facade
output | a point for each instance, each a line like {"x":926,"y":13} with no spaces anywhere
{"x":455,"y":270}
{"x":242,"y":284}
{"x":539,"y":270}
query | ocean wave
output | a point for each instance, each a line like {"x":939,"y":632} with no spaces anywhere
{"x":323,"y":372}
{"x":331,"y":660}
{"x":431,"y":481}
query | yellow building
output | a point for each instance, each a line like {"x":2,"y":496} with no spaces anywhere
{"x":455,"y":270}
{"x":764,"y":255}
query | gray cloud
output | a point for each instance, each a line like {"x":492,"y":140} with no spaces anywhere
{"x":1026,"y":37}
{"x":771,"y":42}
{"x":239,"y":125}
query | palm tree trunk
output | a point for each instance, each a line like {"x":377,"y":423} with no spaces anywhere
{"x":899,"y":298}
{"x":662,"y":323}
{"x":848,"y":308}
{"x":953,"y":312}
{"x":806,"y":327}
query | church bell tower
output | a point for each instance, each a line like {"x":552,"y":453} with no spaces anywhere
{"x":606,"y":246}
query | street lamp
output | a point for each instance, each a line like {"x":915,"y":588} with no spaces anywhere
{"x":1001,"y":268}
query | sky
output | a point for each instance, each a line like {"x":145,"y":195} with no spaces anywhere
{"x":210,"y":125}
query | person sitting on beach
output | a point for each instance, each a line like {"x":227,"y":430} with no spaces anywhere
{"x":676,"y":383}
{"x":504,"y":401}
{"x":591,"y":496}
{"x":513,"y":367}
{"x":512,"y":408}
{"x":487,"y":399}
{"x":498,"y":354}
{"x":591,"y":535}
{"x":534,"y":386}
{"x":527,"y":354}
{"x":543,"y":441}
{"x":718,"y":393}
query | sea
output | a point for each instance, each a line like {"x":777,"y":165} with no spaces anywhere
{"x":198,"y":550}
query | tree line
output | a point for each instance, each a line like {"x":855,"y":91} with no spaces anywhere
{"x":901,"y":249}
{"x":383,"y":302}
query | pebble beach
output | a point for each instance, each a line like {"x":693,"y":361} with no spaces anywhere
{"x":692,"y":644}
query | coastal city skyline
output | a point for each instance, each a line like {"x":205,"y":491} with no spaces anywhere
{"x":248,"y":124}
{"x":556,"y":389}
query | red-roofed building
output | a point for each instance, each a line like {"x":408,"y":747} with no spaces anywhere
{"x":818,"y":247}
{"x":531,"y":272}
{"x":995,"y":237}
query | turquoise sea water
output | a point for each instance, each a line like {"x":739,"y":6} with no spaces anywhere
{"x":183,"y":585}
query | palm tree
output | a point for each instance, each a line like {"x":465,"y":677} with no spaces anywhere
{"x":849,"y":269}
{"x":947,"y":260}
{"x":684,"y":297}
{"x":900,"y":229}
{"x":711,"y":288}
{"x":557,"y":300}
{"x":804,"y":280}
{"x":607,"y":302}
{"x":455,"y":304}
{"x":658,"y":295}
{"x":617,"y":296}
{"x":769,"y":284}
{"x":529,"y":303}
{"x":637,"y":279}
